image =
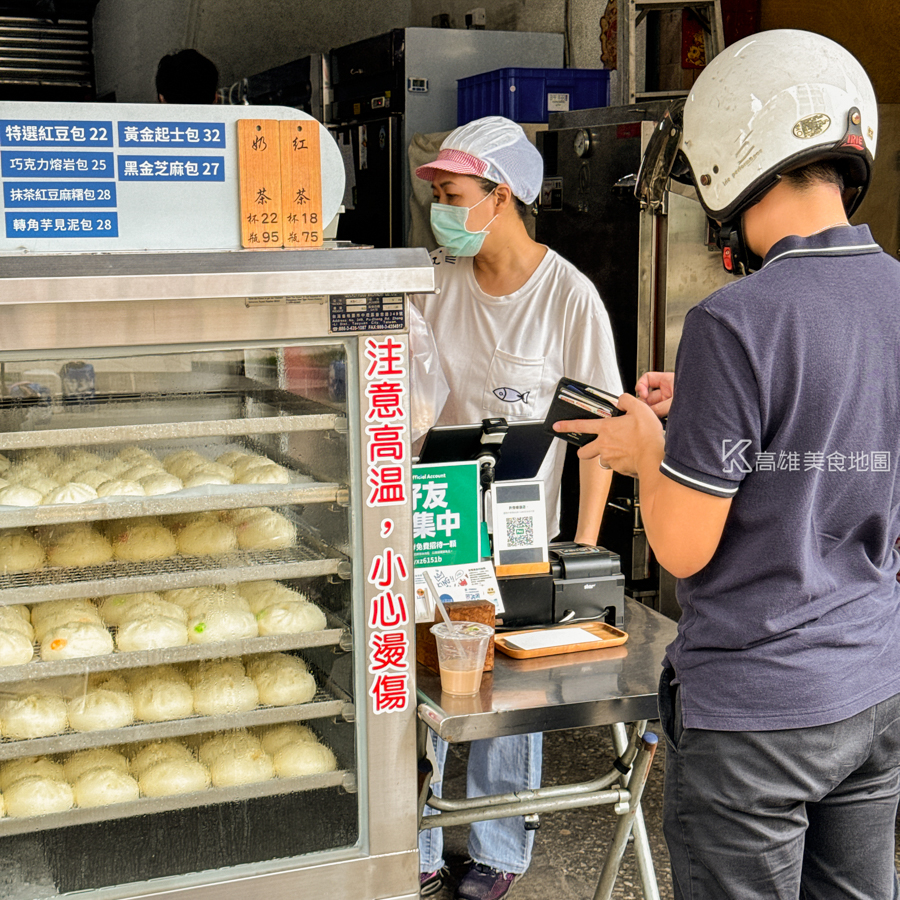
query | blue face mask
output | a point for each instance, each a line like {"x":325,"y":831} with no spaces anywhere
{"x":448,"y":223}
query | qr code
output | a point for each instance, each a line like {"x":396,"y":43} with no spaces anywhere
{"x":520,"y":531}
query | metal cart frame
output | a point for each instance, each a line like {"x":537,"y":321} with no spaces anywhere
{"x":615,"y":687}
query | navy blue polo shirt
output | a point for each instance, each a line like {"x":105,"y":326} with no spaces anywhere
{"x":787,"y":400}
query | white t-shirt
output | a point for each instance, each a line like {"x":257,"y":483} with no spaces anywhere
{"x":503,"y":356}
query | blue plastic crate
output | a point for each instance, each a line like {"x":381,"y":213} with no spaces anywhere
{"x":530,"y":95}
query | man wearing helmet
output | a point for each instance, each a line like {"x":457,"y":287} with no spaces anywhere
{"x":772,"y":494}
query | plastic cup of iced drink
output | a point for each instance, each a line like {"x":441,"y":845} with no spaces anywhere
{"x":461,"y":648}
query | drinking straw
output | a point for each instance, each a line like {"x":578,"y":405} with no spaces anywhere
{"x":440,"y":605}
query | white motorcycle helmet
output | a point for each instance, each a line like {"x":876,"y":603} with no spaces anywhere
{"x":770,"y":103}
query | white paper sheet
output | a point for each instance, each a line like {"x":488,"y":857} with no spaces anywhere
{"x":551,"y":637}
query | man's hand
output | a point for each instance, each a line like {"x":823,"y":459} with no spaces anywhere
{"x":656,"y":390}
{"x":683,"y":525}
{"x":624,"y":443}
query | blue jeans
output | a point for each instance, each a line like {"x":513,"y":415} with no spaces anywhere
{"x":802,"y":812}
{"x":496,"y":766}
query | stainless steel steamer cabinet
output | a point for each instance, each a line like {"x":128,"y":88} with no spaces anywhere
{"x":258,"y":353}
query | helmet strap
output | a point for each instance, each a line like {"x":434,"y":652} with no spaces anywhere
{"x":857,"y":160}
{"x":737,"y":257}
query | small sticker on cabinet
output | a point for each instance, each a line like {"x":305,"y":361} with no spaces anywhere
{"x":552,"y":194}
{"x":264,"y":301}
{"x":366,"y":312}
{"x":276,"y":301}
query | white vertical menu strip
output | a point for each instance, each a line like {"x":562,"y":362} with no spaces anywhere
{"x":389,"y":573}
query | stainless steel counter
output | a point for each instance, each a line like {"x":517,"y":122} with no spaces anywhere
{"x":597,"y":687}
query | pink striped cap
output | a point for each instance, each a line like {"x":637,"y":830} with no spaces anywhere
{"x":453,"y":161}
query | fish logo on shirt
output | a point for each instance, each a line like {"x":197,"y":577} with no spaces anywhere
{"x":510,"y":395}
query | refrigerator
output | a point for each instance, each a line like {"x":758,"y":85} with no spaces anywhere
{"x":205,"y":564}
{"x":649,"y":270}
{"x":390,"y":87}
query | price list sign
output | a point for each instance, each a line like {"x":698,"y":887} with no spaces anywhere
{"x":145,"y":151}
{"x":58,"y":181}
{"x":262,"y":224}
{"x":99,"y":177}
{"x":64,"y":179}
{"x":301,"y":184}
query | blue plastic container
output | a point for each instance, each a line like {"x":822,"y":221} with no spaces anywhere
{"x":530,"y":95}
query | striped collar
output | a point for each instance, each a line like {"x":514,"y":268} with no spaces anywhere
{"x":838,"y":241}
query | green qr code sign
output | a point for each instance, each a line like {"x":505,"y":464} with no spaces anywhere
{"x":445,"y":514}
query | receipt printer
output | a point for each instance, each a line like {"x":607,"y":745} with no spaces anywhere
{"x":585,"y":584}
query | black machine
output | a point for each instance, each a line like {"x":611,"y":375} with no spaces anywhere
{"x":517,"y":449}
{"x":504,"y":451}
{"x":585,"y":584}
{"x":583,"y":163}
{"x":302,"y":83}
{"x":368,"y":77}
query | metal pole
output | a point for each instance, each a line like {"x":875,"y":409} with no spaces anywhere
{"x":636,"y":782}
{"x":425,"y":770}
{"x":562,"y":790}
{"x":524,"y":808}
{"x":642,"y":852}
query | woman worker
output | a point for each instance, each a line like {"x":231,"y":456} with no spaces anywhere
{"x":510,"y":318}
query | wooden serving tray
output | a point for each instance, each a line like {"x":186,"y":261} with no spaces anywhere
{"x":609,"y":637}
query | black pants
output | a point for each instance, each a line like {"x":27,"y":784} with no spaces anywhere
{"x":802,"y":812}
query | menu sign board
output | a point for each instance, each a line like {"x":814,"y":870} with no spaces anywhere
{"x":91,"y":177}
